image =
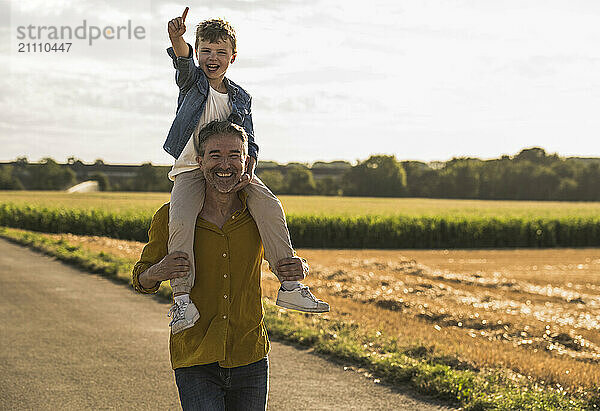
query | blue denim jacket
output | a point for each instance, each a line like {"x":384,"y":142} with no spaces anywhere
{"x":193,"y":90}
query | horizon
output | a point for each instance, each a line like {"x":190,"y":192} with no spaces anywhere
{"x":309,"y":163}
{"x":426,"y":81}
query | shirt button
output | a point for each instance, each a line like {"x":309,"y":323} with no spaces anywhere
{"x":224,"y":317}
{"x":232,"y":217}
{"x":224,"y":275}
{"x":224,"y":254}
{"x":225,"y":296}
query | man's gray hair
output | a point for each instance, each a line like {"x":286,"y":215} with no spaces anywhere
{"x":219,"y":127}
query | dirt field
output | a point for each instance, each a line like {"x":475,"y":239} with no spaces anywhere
{"x":72,"y":341}
{"x":536,"y":312}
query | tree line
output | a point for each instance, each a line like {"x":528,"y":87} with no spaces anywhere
{"x":532,"y":174}
{"x":50,"y":175}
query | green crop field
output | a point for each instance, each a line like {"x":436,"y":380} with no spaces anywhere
{"x":322,"y":206}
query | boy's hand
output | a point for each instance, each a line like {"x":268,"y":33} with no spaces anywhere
{"x":251,"y":167}
{"x":176,"y":27}
{"x":247,"y":177}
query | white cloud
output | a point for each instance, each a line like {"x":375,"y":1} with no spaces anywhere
{"x":330,"y":80}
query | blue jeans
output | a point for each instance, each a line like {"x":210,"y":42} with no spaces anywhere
{"x":212,"y":387}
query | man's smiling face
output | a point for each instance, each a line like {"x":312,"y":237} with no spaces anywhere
{"x":223,"y":162}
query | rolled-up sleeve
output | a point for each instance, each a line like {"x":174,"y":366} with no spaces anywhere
{"x":249,"y":127}
{"x":154,"y":251}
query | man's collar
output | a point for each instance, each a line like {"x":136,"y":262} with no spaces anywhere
{"x":232,"y":222}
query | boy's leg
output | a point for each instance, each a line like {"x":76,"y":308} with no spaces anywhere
{"x":187,"y":198}
{"x":268,"y":213}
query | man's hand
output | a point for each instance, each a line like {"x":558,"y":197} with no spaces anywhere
{"x":174,"y":265}
{"x":176,"y":26}
{"x":292,"y":269}
{"x":247,"y":177}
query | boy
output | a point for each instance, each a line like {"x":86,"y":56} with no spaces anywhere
{"x":205,"y":94}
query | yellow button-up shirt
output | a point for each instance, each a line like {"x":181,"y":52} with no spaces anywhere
{"x":227,"y":292}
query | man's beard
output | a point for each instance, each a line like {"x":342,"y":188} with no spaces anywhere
{"x":215,"y":177}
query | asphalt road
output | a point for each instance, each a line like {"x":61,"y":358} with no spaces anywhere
{"x":72,"y":340}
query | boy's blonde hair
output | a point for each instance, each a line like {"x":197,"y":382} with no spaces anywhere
{"x":214,"y":30}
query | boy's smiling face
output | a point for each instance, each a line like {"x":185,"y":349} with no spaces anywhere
{"x":215,"y":58}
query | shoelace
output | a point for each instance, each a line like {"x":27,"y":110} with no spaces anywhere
{"x":177,"y":310}
{"x":305,"y":291}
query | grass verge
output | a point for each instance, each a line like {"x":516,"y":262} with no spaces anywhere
{"x":417,"y":366}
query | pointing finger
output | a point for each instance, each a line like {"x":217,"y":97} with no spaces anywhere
{"x":185,"y":12}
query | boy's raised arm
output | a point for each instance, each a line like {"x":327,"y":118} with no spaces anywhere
{"x":182,"y":55}
{"x":176,"y":29}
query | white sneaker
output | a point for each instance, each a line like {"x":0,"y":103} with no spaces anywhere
{"x":301,"y":299}
{"x":185,"y":315}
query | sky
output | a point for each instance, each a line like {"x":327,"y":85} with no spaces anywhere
{"x":422,"y":79}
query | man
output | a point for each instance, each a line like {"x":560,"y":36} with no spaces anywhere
{"x":221,"y":361}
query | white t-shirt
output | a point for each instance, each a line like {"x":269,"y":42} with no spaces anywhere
{"x":217,"y":108}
